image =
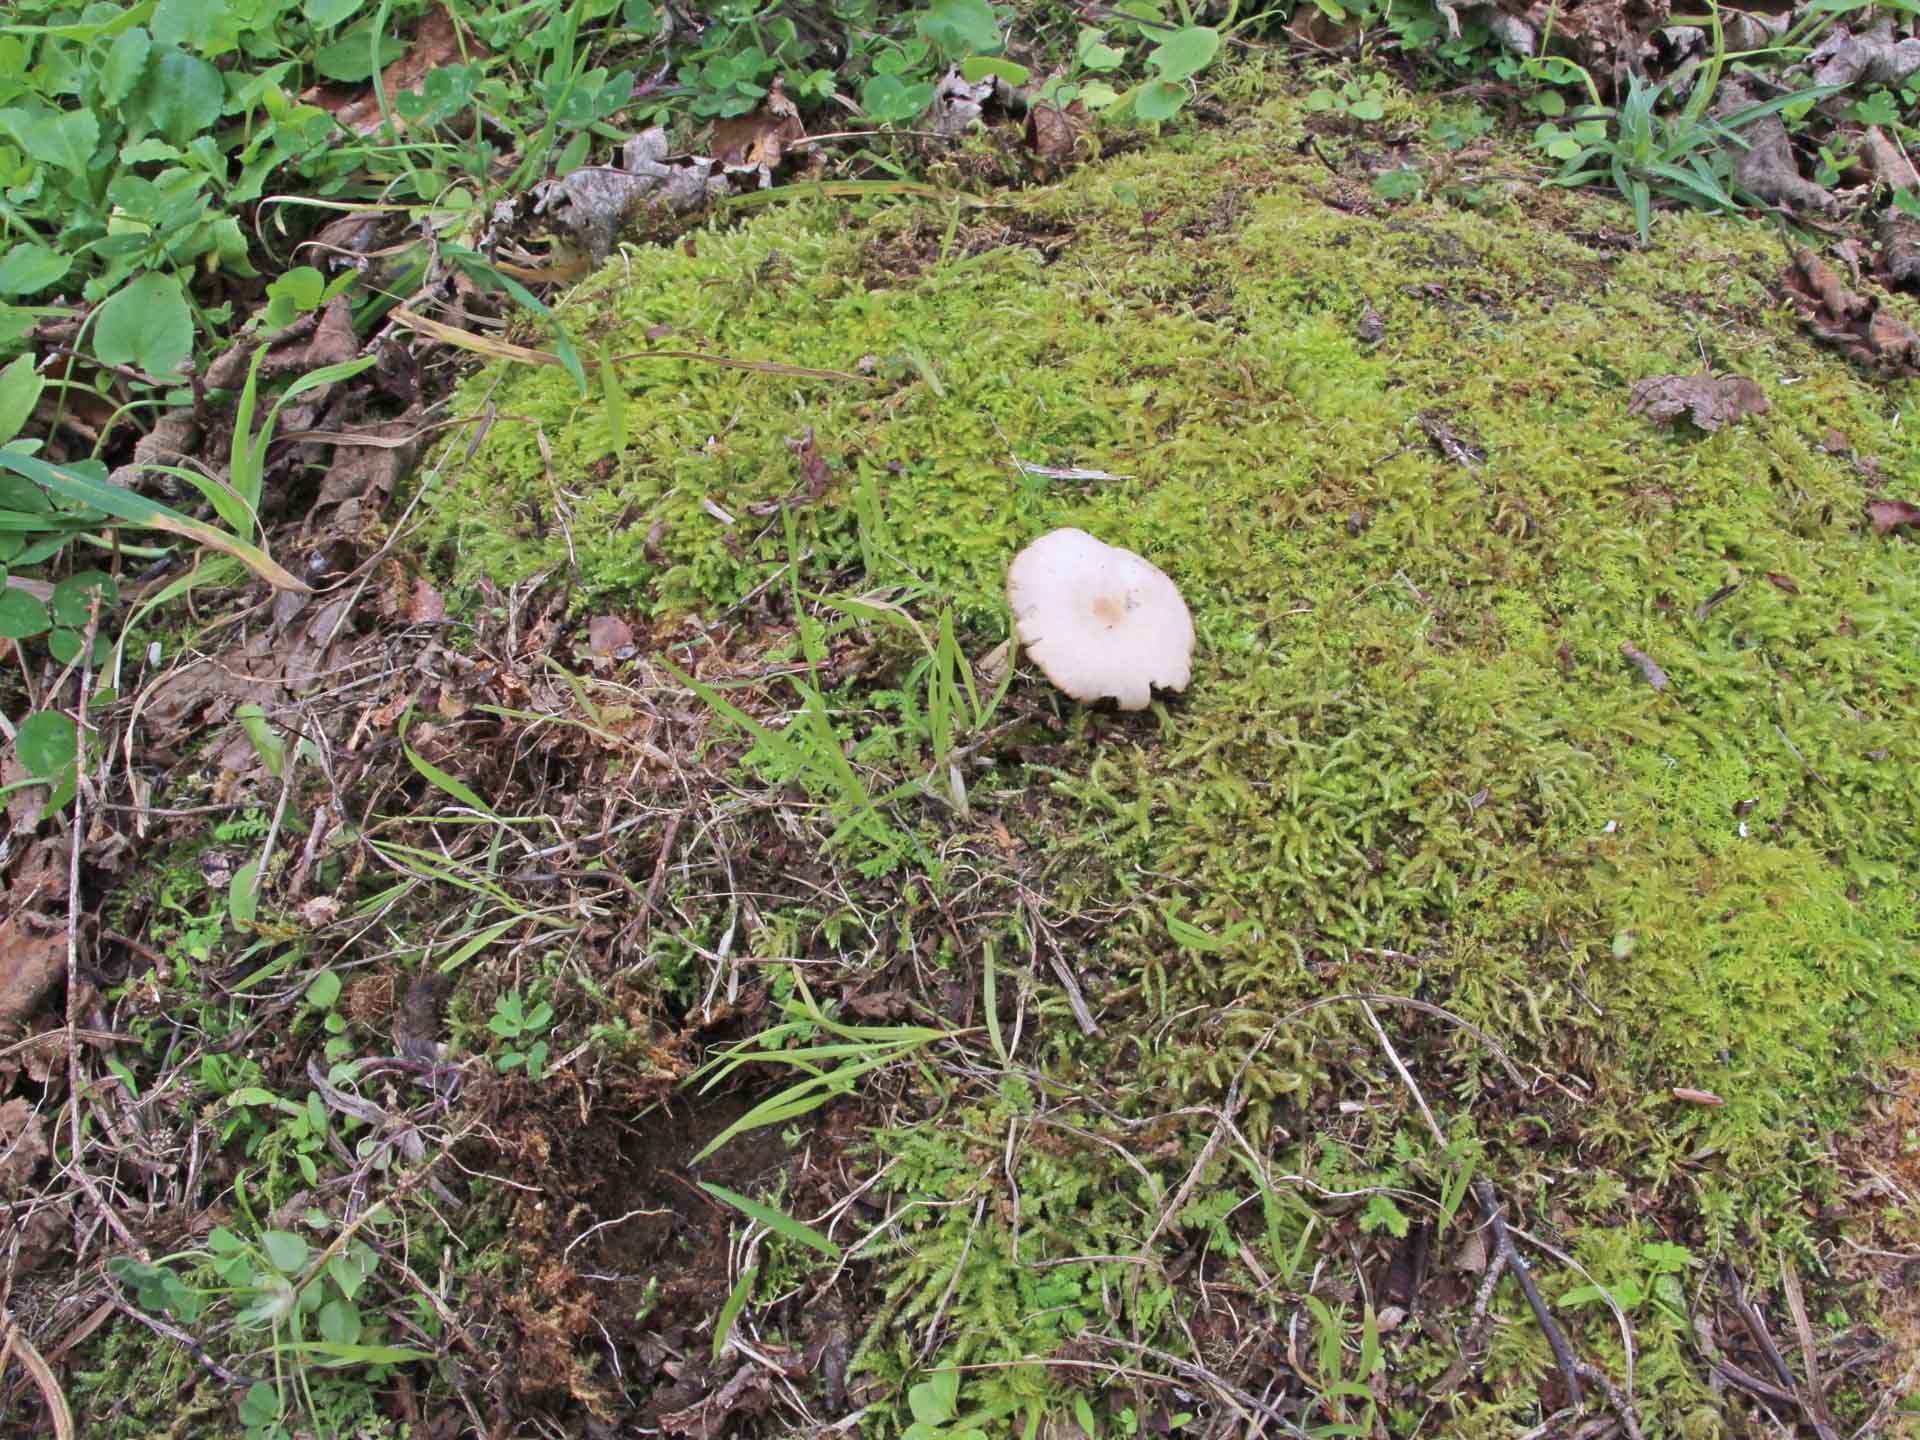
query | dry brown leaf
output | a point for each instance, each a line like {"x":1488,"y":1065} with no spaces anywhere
{"x":608,"y":634}
{"x":758,"y":143}
{"x":1710,"y":400}
{"x":33,"y":936}
{"x":1864,"y":329}
{"x":1696,"y":1097}
{"x":1890,"y":515}
{"x":427,"y":605}
{"x":1886,"y":161}
{"x":1656,"y":677}
{"x":1054,"y":135}
{"x":23,"y":1145}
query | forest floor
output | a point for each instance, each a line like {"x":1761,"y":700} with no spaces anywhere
{"x":693,"y":984}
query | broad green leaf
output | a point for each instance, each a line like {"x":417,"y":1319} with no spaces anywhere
{"x":325,"y":14}
{"x":1185,"y":52}
{"x":207,"y":27}
{"x":20,"y":387}
{"x":355,"y":1354}
{"x":287,"y":1251}
{"x":21,"y":615}
{"x":243,"y":895}
{"x":145,"y":324}
{"x":349,"y":59}
{"x":73,"y":597}
{"x":978,"y":67}
{"x":183,"y":94}
{"x":48,"y":743}
{"x":126,"y":61}
{"x":961,"y":27}
{"x":64,"y":140}
{"x":27,"y":268}
{"x":324,"y":990}
{"x":775,"y":1220}
{"x":1159,"y":100}
{"x":271,"y":749}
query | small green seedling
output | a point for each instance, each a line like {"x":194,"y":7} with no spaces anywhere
{"x":513,"y":1022}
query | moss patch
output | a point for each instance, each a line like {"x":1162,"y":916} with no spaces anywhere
{"x":1413,"y":758}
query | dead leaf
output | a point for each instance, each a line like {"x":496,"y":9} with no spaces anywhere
{"x":1864,"y":329}
{"x":1719,"y":597}
{"x":749,"y":1391}
{"x":320,"y":912}
{"x":1696,"y":1097}
{"x":1710,"y":400}
{"x":1890,"y":515}
{"x":1054,"y":135}
{"x":594,"y":201}
{"x":23,"y":1145}
{"x":436,"y":42}
{"x":1783,"y":582}
{"x":608,"y":635}
{"x":1763,"y":159}
{"x":1871,"y":58}
{"x":428,"y":605}
{"x":1899,"y":237}
{"x":33,"y":936}
{"x":813,"y":469}
{"x":1886,"y":161}
{"x":1440,"y":434}
{"x":756,"y":144}
{"x":957,"y":102}
{"x":1656,"y":677}
{"x":175,"y":438}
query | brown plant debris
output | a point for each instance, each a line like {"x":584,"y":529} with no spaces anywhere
{"x":1890,"y":515}
{"x":1863,"y":328}
{"x":593,"y":202}
{"x":1656,"y":677}
{"x":1873,"y":57}
{"x":1710,"y":401}
{"x":1899,"y":237}
{"x":1763,"y":160}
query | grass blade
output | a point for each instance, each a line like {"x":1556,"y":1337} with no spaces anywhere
{"x":779,"y":1222}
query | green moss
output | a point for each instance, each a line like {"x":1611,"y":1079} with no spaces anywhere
{"x":1413,"y":756}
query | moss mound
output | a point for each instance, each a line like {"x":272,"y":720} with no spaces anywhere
{"x":1387,"y":451}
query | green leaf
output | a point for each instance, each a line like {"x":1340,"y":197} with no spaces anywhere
{"x":934,"y":1400}
{"x":961,"y":27}
{"x":294,"y":293}
{"x":730,"y":1312}
{"x":1185,"y":52}
{"x":978,"y":67}
{"x":27,"y":268}
{"x":126,"y":61}
{"x":339,"y":1323}
{"x":287,"y":1251}
{"x":73,"y":597}
{"x":20,"y":387}
{"x":1159,"y":100}
{"x":775,"y":1220}
{"x":243,"y":895}
{"x":70,"y":483}
{"x":183,"y":94}
{"x":324,"y":990}
{"x":65,"y":140}
{"x":350,"y":58}
{"x":145,"y":324}
{"x":458,"y":789}
{"x":271,"y":749}
{"x":325,"y":14}
{"x":355,"y":1354}
{"x":48,"y":744}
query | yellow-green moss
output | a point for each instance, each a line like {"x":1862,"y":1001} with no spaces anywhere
{"x":1411,"y":731}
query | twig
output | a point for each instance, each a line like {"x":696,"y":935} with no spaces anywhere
{"x":1058,"y":963}
{"x":1816,"y":1401}
{"x":43,"y":1376}
{"x":1206,"y":1376}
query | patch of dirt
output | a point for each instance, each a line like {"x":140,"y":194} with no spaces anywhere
{"x":898,"y":258}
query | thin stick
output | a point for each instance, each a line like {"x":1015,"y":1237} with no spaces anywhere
{"x":43,"y":1376}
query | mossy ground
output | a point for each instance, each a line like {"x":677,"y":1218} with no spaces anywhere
{"x":1413,"y":759}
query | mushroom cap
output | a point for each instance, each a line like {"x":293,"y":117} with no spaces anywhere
{"x":1100,"y":621}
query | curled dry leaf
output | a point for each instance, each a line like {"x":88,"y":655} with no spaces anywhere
{"x":1899,"y":237}
{"x":1054,"y":134}
{"x":1709,"y":400}
{"x":23,"y":1145}
{"x":1696,"y":1097}
{"x":1864,"y":329}
{"x":957,"y":102}
{"x":593,"y":202}
{"x":1763,"y":159}
{"x":1656,"y":677}
{"x":1871,"y":58}
{"x":757,"y":144}
{"x":1886,"y":161}
{"x":1890,"y":515}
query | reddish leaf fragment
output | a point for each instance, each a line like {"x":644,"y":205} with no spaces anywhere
{"x":1054,"y":134}
{"x":1890,"y":515}
{"x":1783,"y":582}
{"x":1696,"y":1097}
{"x":608,"y":634}
{"x":427,"y":604}
{"x":813,"y":468}
{"x":1710,"y":400}
{"x":1656,"y":677}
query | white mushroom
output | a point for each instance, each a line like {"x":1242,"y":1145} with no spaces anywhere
{"x":1101,"y":621}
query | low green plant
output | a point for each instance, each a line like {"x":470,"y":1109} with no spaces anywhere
{"x":1361,"y":97}
{"x":311,"y":1309}
{"x":935,"y":1406}
{"x":521,"y":1027}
